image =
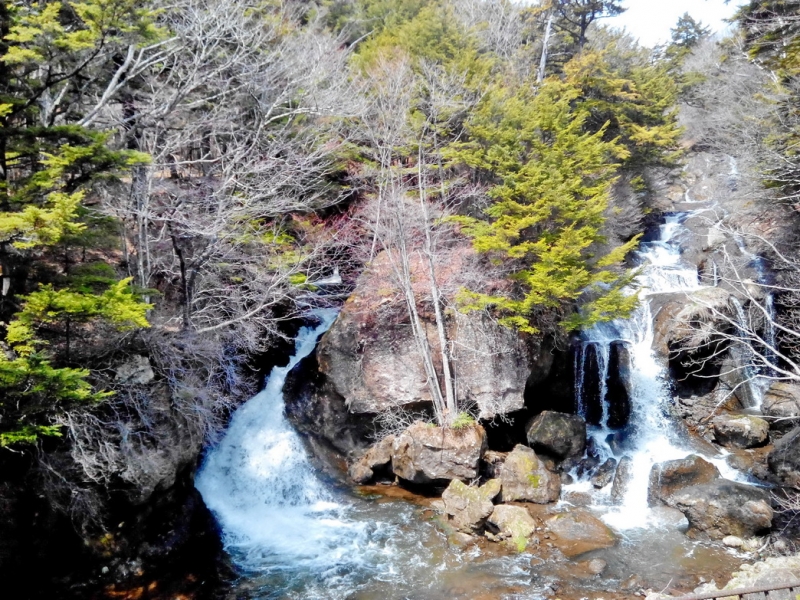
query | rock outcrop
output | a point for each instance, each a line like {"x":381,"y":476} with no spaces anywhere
{"x":740,"y":431}
{"x":370,"y":357}
{"x":622,"y":478}
{"x":557,"y":434}
{"x":424,"y":453}
{"x":724,"y":508}
{"x":467,"y":506}
{"x":784,"y":459}
{"x":670,"y":477}
{"x":377,"y":457}
{"x":526,"y":478}
{"x":781,"y":405}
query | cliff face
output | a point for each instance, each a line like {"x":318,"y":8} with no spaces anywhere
{"x":373,"y":363}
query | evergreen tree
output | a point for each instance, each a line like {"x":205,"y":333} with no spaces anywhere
{"x":553,"y":181}
{"x":57,"y":59}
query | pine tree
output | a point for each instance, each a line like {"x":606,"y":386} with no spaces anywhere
{"x":56,"y":60}
{"x":553,"y":180}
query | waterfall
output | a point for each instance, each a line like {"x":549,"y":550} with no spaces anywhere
{"x":648,"y":437}
{"x":744,"y":356}
{"x":258,"y":481}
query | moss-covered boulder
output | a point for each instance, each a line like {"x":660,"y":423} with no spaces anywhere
{"x":560,"y":435}
{"x":526,"y":478}
{"x":467,"y":506}
{"x":512,"y":525}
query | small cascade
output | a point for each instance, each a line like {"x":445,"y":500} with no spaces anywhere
{"x":647,"y":436}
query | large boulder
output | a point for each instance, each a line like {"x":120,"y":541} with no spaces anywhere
{"x":512,"y":524}
{"x":668,"y":478}
{"x":371,"y":359}
{"x":526,"y":478}
{"x":578,"y":531}
{"x":558,"y":434}
{"x":784,"y":459}
{"x":723,"y":508}
{"x":468,"y":506}
{"x":378,"y":456}
{"x":740,"y":431}
{"x":781,"y":404}
{"x":424,"y":453}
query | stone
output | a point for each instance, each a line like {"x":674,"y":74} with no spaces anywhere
{"x":596,"y":566}
{"x":731,"y":541}
{"x":512,"y":524}
{"x":578,"y":531}
{"x":724,"y":508}
{"x":469,"y":506}
{"x":781,"y":404}
{"x":740,"y":431}
{"x":378,"y":456}
{"x":424,"y":453}
{"x":784,"y":459}
{"x":622,"y":477}
{"x":525,"y":478}
{"x":670,"y":477}
{"x":558,"y":434}
{"x":604,"y":474}
{"x":135,"y":371}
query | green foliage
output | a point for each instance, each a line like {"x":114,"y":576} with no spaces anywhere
{"x":772,"y":33}
{"x":686,"y":34}
{"x":462,"y":421}
{"x":55,"y":61}
{"x":631,"y":98}
{"x":547,"y":211}
{"x":428,"y":33}
{"x":33,"y":390}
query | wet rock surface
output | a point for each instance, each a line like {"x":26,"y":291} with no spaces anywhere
{"x":526,"y":478}
{"x":425,"y":454}
{"x":784,"y":459}
{"x":781,"y":405}
{"x":470,"y":506}
{"x":724,"y":508}
{"x":670,"y":477}
{"x":512,"y":525}
{"x":622,"y":478}
{"x":578,"y":531}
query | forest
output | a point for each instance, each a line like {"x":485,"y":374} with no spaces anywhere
{"x":473,"y":184}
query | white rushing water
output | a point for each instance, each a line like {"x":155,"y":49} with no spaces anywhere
{"x":293,"y":535}
{"x":649,"y":438}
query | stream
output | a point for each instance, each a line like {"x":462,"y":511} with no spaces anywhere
{"x":293,"y":534}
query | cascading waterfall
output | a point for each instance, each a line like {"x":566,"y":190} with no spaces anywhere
{"x":258,"y":482}
{"x":648,"y":437}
